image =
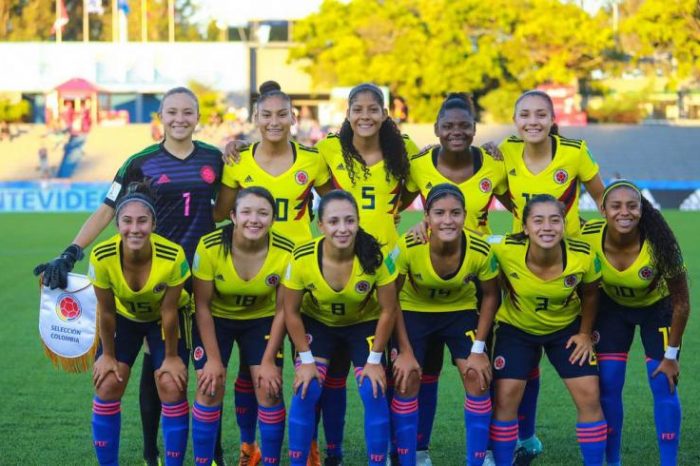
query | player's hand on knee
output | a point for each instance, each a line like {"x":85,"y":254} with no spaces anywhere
{"x":270,"y":379}
{"x":211,"y":377}
{"x":104,"y":366}
{"x":176,"y":369}
{"x":583,"y":348}
{"x":377,"y":377}
{"x":671,"y":369}
{"x":55,"y":272}
{"x":480,"y":365}
{"x":405,"y":367}
{"x":303,"y":376}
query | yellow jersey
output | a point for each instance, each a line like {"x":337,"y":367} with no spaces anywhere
{"x":236,"y":298}
{"x":355,"y":303}
{"x":488,"y":180}
{"x":538,"y":306}
{"x":571,"y":165}
{"x":377,"y":197}
{"x":425,"y":291}
{"x":169,"y":268}
{"x":291,"y":189}
{"x":636,"y":286}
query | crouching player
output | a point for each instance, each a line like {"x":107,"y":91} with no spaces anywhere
{"x":439,"y":281}
{"x":550,"y":302}
{"x":138,"y":277}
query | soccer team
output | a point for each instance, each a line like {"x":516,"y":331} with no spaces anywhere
{"x":361,"y":294}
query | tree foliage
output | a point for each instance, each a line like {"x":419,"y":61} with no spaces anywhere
{"x":666,"y":30}
{"x":423,"y":49}
{"x":32,"y":20}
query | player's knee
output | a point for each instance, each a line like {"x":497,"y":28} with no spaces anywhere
{"x":111,"y":388}
{"x":168,"y":390}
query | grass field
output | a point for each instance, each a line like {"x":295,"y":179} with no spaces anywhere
{"x":45,"y":413}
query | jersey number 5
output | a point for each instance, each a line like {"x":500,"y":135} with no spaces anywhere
{"x":368,"y":197}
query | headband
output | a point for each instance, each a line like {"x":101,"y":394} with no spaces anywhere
{"x":367,"y":87}
{"x":138,"y":197}
{"x":620,"y":184}
{"x":441,"y":190}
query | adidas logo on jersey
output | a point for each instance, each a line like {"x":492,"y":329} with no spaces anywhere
{"x":511,"y":172}
{"x":418,"y":276}
{"x":248,"y":179}
{"x":311,"y":287}
{"x":429,"y":186}
{"x":514,"y":275}
{"x":219,"y":277}
{"x":340,"y":167}
{"x":163,"y":179}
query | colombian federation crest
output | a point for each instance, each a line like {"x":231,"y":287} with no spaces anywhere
{"x":646,"y":273}
{"x":208,"y":174}
{"x":499,"y":363}
{"x":301,"y":177}
{"x":485,"y":185}
{"x":362,"y":287}
{"x":68,"y":324}
{"x":561,"y":176}
{"x":570,"y":281}
{"x":198,"y":353}
{"x":272,"y":280}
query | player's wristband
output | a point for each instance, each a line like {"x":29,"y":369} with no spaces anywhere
{"x":374,"y":357}
{"x":671,"y":352}
{"x":478,"y":347}
{"x":306,"y":357}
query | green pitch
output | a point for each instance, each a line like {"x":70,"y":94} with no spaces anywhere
{"x":45,"y":414}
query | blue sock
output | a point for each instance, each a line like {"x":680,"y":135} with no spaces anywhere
{"x":393,"y":452}
{"x":591,"y":438}
{"x":106,"y":426}
{"x":205,"y":426}
{"x":404,"y":419}
{"x":271,"y":432}
{"x":503,"y":436}
{"x":246,"y":406}
{"x":333,"y":404}
{"x":427,"y":405}
{"x":612,"y":367}
{"x":175,"y":420}
{"x":302,"y":420}
{"x":667,"y":414}
{"x":477,"y":419}
{"x":376,"y":422}
{"x":527,"y":411}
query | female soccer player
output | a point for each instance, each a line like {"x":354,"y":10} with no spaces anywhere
{"x":237,"y":272}
{"x":544,"y":274}
{"x":438,"y":282}
{"x":340,"y":293}
{"x":183,"y":175}
{"x":138,"y":278}
{"x":644,"y":284}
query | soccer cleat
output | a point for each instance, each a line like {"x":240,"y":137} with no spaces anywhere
{"x":250,"y":454}
{"x":488,"y":460}
{"x":526,"y":451}
{"x":152,"y":461}
{"x":314,"y":458}
{"x":333,"y":461}
{"x":423,"y":458}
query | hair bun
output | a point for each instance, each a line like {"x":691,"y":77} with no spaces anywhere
{"x":269,"y":86}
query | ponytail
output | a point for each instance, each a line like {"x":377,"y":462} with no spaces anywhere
{"x":226,"y":239}
{"x":368,"y":251}
{"x":666,"y":253}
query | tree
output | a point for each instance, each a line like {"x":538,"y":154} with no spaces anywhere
{"x":423,"y":49}
{"x":667,"y":29}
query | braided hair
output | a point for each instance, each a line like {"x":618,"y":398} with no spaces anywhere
{"x":390,"y":141}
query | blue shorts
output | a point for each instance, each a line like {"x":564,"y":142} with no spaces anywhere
{"x":251,"y":335}
{"x":129,"y":335}
{"x":615,"y":324}
{"x":325,"y":341}
{"x":455,"y":329}
{"x":516,"y":353}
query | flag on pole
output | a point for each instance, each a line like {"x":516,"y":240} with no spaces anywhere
{"x":61,"y":17}
{"x":95,"y":6}
{"x":123,"y":6}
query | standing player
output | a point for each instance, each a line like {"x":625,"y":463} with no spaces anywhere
{"x":544,"y":274}
{"x":289,"y":171}
{"x":237,"y":273}
{"x":138,"y":278}
{"x":644,"y":284}
{"x":439,"y":306}
{"x":183,"y":175}
{"x":340,"y":293}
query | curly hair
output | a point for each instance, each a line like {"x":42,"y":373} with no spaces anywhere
{"x":390,"y":141}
